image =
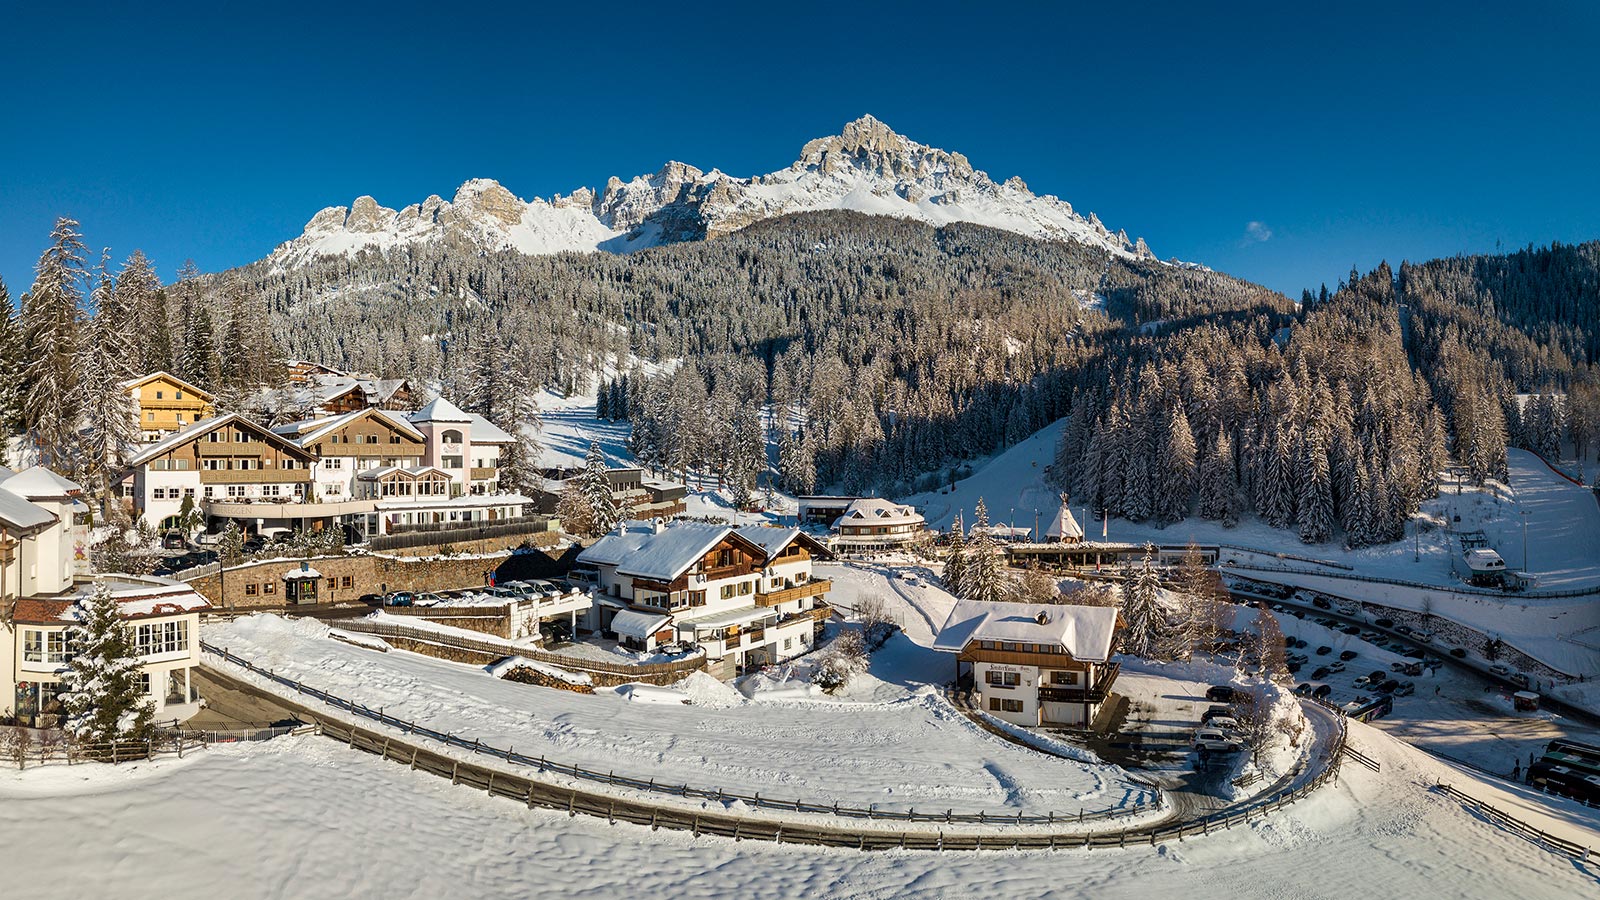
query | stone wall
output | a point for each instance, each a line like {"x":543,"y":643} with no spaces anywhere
{"x":485,"y":619}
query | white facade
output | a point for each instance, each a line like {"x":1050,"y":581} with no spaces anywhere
{"x":872,"y":523}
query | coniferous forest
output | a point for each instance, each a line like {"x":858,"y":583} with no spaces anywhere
{"x":876,"y":354}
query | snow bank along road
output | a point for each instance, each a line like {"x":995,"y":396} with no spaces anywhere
{"x":252,"y":822}
{"x":916,"y":752}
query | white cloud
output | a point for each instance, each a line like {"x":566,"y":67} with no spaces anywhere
{"x":1255,"y":233}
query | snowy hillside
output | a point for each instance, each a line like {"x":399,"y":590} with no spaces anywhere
{"x":867,"y":168}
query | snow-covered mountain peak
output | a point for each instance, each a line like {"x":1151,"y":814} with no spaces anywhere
{"x":866,"y":167}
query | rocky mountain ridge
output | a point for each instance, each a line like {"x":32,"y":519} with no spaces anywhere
{"x":867,"y":167}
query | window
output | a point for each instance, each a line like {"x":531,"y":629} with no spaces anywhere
{"x":744,"y":587}
{"x":724,"y":557}
{"x":177,"y":395}
{"x":270,"y":587}
{"x":1006,"y":679}
{"x":727,"y":591}
{"x":158,"y":493}
{"x":994,"y":704}
{"x":250,"y":590}
{"x":161,"y":395}
{"x":214,"y":437}
{"x":451,"y":462}
{"x":162,"y":637}
{"x":333,"y":583}
{"x":188,"y":492}
{"x":1011,"y":705}
{"x":451,"y":437}
{"x":1063,"y":677}
{"x":210,"y":492}
{"x":144,"y":683}
{"x":347,"y":581}
{"x":149,"y":417}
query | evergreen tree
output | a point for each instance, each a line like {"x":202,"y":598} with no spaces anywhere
{"x":1219,"y":487}
{"x":1177,"y":469}
{"x":1145,"y":632}
{"x":955,"y":565}
{"x":602,"y":403}
{"x":596,"y":488}
{"x":53,"y":404}
{"x":104,"y":699}
{"x":1316,"y":489}
{"x":138,"y":293}
{"x":985,"y":575}
{"x":13,"y":369}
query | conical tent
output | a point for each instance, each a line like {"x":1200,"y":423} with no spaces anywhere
{"x":1064,"y":528}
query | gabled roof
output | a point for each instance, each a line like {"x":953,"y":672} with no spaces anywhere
{"x":312,"y":430}
{"x":877,"y":511}
{"x":203,"y":428}
{"x":1085,"y":632}
{"x":39,"y":483}
{"x":675,"y":549}
{"x":200,"y":393}
{"x":440,"y":410}
{"x":773,"y":541}
{"x":20,"y":517}
{"x":622,"y":542}
{"x":486,"y":432}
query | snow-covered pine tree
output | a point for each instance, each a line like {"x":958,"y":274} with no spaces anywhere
{"x":1315,"y":506}
{"x":797,"y":467}
{"x":109,"y":411}
{"x":747,"y":456}
{"x":955,"y":562}
{"x":1177,"y":469}
{"x":596,"y":488}
{"x":602,"y":402}
{"x":985,"y":577}
{"x":13,"y":368}
{"x":196,"y":353}
{"x":138,"y":290}
{"x":1218,"y":488}
{"x":1145,"y":632}
{"x":105,"y":699}
{"x":53,"y":402}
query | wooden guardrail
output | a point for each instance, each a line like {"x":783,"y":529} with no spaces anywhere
{"x":1551,"y":842}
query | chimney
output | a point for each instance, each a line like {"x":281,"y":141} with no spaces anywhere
{"x":1043,"y":618}
{"x":657,"y":525}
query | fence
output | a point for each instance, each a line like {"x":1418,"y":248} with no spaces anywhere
{"x":22,"y":747}
{"x":611,"y":779}
{"x":1542,"y":838}
{"x":1506,"y":596}
{"x":666,"y":672}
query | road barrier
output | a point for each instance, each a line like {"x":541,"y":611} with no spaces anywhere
{"x":1540,"y":837}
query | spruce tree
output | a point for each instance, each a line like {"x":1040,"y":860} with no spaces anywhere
{"x":596,"y":489}
{"x":955,"y":564}
{"x":1315,"y":507}
{"x":104,"y":699}
{"x":1144,"y":622}
{"x":13,"y":368}
{"x":985,"y":575}
{"x":1177,"y":469}
{"x":53,"y":403}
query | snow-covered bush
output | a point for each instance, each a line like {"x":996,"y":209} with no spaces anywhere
{"x":843,"y":660}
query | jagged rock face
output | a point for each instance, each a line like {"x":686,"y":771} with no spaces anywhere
{"x":866,"y":167}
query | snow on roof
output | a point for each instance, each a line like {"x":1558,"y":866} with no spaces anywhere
{"x":622,"y":542}
{"x":667,"y":555}
{"x":1084,"y":631}
{"x":465,"y":501}
{"x":486,"y":432}
{"x":440,"y":410}
{"x":199,"y":392}
{"x":878,"y":511}
{"x":17,"y":513}
{"x":1064,"y":525}
{"x":772,"y":540}
{"x":306,"y":572}
{"x":635,"y":624}
{"x":38,"y":483}
{"x":151,"y":451}
{"x":313,"y":430}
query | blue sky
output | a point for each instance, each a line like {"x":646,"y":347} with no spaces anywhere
{"x":1360,"y":133}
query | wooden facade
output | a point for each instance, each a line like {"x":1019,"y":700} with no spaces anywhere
{"x":371,"y":436}
{"x":167,"y":404}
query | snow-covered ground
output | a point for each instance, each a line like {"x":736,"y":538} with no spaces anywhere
{"x":304,"y":817}
{"x":912,"y":751}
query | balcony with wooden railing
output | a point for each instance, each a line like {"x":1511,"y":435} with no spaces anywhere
{"x":814,"y":588}
{"x":1093,"y":694}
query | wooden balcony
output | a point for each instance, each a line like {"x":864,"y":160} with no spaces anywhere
{"x":1094,"y":694}
{"x":799,"y":592}
{"x":485,"y":473}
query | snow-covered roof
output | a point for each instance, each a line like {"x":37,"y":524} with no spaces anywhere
{"x":772,"y":540}
{"x":635,"y":624}
{"x":306,"y":572}
{"x":1084,"y":631}
{"x":669,"y":554}
{"x":198,"y":429}
{"x":465,"y":501}
{"x":440,"y":410}
{"x":726,"y":617}
{"x":486,"y":432}
{"x":18,"y":514}
{"x":622,"y":542}
{"x":39,"y":483}
{"x":313,"y":430}
{"x":199,"y":392}
{"x":878,"y":511}
{"x":1064,"y":525}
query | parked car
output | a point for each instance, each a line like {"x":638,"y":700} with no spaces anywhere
{"x":173,"y":540}
{"x":1406,"y":688}
{"x":1501,"y":669}
{"x":1214,"y":740}
{"x":1321,"y":603}
{"x":1389,"y":686}
{"x":1377,"y":676}
{"x":1422,"y":637}
{"x":1288,"y":640}
{"x":1403,"y":629}
{"x":255,"y":543}
{"x":1360,"y":682}
{"x":556,"y":632}
{"x":371,"y":599}
{"x":399,"y":598}
{"x":1216,"y":712}
{"x":1303,"y":689}
{"x":1458,"y":652}
{"x":1383,"y":623}
{"x":427,"y":598}
{"x":1322,"y":691}
{"x":1520,"y":680}
{"x":1324,"y":650}
{"x":1351,"y":629}
{"x":1224,"y":723}
{"x":1220,"y":693}
{"x":1321,"y":673}
{"x":1348,"y":655}
{"x":1371,"y":637}
{"x":1336,"y":666}
{"x":1294,"y":666}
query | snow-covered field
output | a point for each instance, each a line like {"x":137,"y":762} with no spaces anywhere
{"x":304,"y":817}
{"x":912,"y":751}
